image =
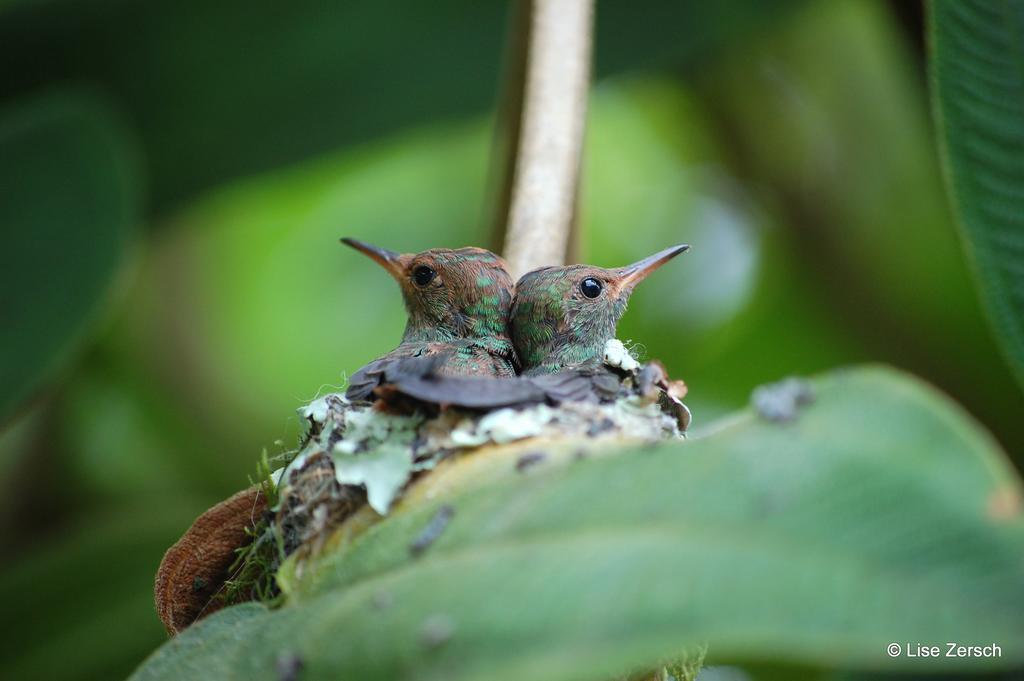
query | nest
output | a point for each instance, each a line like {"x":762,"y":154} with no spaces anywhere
{"x":357,"y":454}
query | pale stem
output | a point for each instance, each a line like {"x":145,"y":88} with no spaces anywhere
{"x":546,"y":166}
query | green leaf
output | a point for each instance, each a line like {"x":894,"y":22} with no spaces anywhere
{"x":977,"y":71}
{"x":880,"y":514}
{"x":67,"y":209}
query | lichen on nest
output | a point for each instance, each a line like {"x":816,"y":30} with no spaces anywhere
{"x":355,"y":451}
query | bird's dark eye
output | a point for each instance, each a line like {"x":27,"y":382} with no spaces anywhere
{"x":590,"y":287}
{"x":423,"y":275}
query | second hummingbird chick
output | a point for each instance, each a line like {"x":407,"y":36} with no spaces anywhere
{"x":562,"y":317}
{"x":457,"y":302}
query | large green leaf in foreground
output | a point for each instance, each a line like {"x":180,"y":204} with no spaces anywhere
{"x":881,"y":514}
{"x":67,"y":208}
{"x":977,"y":70}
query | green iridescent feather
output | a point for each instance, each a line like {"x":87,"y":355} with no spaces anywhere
{"x":554,"y":326}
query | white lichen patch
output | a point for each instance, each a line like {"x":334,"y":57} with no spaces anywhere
{"x":626,"y":418}
{"x":618,"y":356}
{"x":365,"y":428}
{"x":383,"y":471}
{"x":369,"y":448}
{"x":503,"y":425}
{"x":316,"y":411}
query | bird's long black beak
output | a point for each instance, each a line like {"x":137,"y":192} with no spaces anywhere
{"x":631,"y":275}
{"x":389,"y":260}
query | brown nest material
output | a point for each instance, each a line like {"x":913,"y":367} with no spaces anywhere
{"x":193,"y":571}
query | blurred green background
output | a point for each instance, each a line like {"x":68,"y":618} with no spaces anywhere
{"x":175,"y":177}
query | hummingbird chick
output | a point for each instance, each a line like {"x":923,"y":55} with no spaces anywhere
{"x":457,"y":303}
{"x":562,"y":317}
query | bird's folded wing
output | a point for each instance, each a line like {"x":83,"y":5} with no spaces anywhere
{"x":578,"y":385}
{"x":390,"y":368}
{"x":363,"y":382}
{"x":467,"y":391}
{"x":417,"y":378}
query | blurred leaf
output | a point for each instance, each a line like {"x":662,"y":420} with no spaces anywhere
{"x":977,"y":69}
{"x":828,"y":114}
{"x":67,"y":209}
{"x":880,"y":513}
{"x":81,"y":607}
{"x":231,"y":88}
